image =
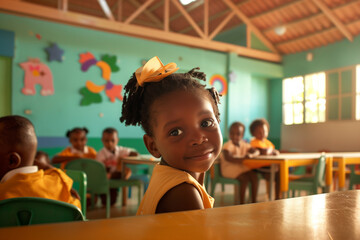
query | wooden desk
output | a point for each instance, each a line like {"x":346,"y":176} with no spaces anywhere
{"x":343,"y":159}
{"x":323,"y":216}
{"x":285,"y":161}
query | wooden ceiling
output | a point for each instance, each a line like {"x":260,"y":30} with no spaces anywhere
{"x":307,"y":23}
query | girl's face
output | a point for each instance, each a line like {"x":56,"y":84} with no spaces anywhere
{"x":261,"y":132}
{"x":186,"y":133}
{"x":236,"y":134}
{"x":78,"y":140}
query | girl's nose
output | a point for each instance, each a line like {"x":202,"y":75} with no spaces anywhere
{"x":198,"y":139}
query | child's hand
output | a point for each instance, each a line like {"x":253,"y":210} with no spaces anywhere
{"x":275,"y":152}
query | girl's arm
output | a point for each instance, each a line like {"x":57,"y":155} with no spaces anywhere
{"x":183,"y":197}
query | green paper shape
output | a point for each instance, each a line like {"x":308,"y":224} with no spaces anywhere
{"x":89,"y":97}
{"x":111,"y":60}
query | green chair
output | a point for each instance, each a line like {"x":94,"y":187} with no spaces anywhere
{"x":354,"y":177}
{"x":32,"y":210}
{"x":310,"y":184}
{"x":218,"y":178}
{"x":97,"y":181}
{"x":80,"y":185}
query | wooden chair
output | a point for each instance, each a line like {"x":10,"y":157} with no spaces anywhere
{"x":354,"y":177}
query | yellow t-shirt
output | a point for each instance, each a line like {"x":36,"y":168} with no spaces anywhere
{"x":162,"y":180}
{"x":52,"y":183}
{"x":230,"y":169}
{"x":265,"y":144}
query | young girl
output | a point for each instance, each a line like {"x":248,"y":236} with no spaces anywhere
{"x":233,"y":154}
{"x":180,"y":119}
{"x":78,"y":149}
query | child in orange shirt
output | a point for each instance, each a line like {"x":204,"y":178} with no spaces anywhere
{"x":233,"y":154}
{"x":78,"y":149}
{"x":19,"y":177}
{"x":259,"y":129}
{"x":180,"y":118}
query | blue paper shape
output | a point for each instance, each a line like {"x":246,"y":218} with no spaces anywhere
{"x":54,"y":53}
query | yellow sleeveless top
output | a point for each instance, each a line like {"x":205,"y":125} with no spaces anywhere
{"x":162,"y":180}
{"x":52,"y":183}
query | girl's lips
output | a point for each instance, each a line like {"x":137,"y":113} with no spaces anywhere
{"x":201,"y":156}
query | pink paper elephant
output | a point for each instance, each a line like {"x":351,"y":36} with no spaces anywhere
{"x":37,"y":73}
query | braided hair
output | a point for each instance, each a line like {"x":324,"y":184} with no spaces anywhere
{"x":76,"y":129}
{"x":138,"y":100}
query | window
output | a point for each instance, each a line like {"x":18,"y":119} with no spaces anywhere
{"x":358,"y":92}
{"x":293,"y":100}
{"x":340,"y":94}
{"x":326,"y":96}
{"x":315,"y":103}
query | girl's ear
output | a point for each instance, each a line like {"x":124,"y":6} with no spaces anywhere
{"x":151,"y":146}
{"x":14,"y":160}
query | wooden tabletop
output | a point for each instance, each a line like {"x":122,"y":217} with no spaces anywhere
{"x":324,"y":216}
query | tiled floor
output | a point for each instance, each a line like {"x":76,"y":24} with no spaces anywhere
{"x":221,"y":199}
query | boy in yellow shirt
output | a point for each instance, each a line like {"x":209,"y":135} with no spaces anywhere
{"x":19,"y":177}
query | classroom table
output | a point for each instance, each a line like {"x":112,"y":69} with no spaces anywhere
{"x":343,"y":159}
{"x":285,"y":161}
{"x":323,"y":216}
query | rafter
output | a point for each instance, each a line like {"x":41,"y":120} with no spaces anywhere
{"x":166,"y":15}
{"x":206,"y":18}
{"x":221,"y":25}
{"x":248,"y":22}
{"x":119,"y":10}
{"x":190,"y":8}
{"x":188,"y":18}
{"x":333,"y":19}
{"x":138,"y":11}
{"x":63,"y":5}
{"x":82,"y":20}
{"x":319,"y":33}
{"x":149,"y":14}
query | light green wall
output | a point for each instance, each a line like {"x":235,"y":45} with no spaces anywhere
{"x":336,"y":55}
{"x":236,"y":36}
{"x":275,"y":110}
{"x":53,"y":115}
{"x":5,"y":86}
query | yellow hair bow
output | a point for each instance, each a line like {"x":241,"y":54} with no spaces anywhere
{"x":154,"y":71}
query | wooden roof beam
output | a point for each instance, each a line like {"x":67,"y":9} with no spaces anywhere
{"x":83,"y":20}
{"x":333,"y":19}
{"x":63,"y":5}
{"x":248,"y":22}
{"x":221,"y":25}
{"x":149,"y":14}
{"x":188,"y":18}
{"x":138,"y":11}
{"x":188,"y":9}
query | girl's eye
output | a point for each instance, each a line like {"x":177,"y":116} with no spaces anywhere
{"x":207,"y":123}
{"x":175,"y":132}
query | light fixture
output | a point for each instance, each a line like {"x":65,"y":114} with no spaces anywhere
{"x":186,"y":2}
{"x":280,"y":30}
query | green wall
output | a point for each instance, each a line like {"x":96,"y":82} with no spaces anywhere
{"x":336,"y":55}
{"x":5,"y":86}
{"x":53,"y":115}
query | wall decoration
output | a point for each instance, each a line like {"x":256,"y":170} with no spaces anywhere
{"x":38,"y":36}
{"x":232,"y":76}
{"x":54,"y":53}
{"x":91,"y":91}
{"x":37,"y":73}
{"x":220,"y":80}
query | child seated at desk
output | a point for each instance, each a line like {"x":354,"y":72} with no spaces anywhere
{"x":110,"y":155}
{"x":233,"y":154}
{"x":180,"y":118}
{"x":19,"y":176}
{"x":78,"y":149}
{"x":259,"y":129}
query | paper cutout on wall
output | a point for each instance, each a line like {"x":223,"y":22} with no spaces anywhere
{"x":54,"y":53}
{"x":218,"y":79}
{"x":232,"y":76}
{"x":89,"y":97}
{"x":37,"y":73}
{"x":107,"y":64}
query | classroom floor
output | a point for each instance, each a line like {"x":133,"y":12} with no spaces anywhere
{"x":225,"y":198}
